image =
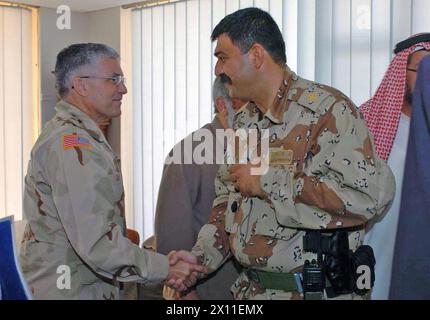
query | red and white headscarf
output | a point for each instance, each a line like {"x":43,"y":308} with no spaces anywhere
{"x":382,"y":112}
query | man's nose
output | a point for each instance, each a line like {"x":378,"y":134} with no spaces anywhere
{"x":122,"y":88}
{"x":218,"y":68}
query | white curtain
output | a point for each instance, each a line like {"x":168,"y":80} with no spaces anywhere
{"x":343,"y":43}
{"x":18,"y":118}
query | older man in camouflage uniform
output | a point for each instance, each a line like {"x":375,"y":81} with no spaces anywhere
{"x":323,"y":172}
{"x":74,"y":245}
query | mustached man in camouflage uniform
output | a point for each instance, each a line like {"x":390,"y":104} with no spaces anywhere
{"x":323,"y":172}
{"x":74,"y":244}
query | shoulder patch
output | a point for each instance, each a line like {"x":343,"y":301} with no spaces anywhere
{"x":75,"y":141}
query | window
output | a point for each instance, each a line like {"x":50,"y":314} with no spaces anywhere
{"x":19,"y":112}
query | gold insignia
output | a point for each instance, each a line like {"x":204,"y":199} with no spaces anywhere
{"x":312,"y":97}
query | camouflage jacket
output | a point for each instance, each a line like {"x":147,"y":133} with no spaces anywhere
{"x":333,"y":179}
{"x":73,"y":204}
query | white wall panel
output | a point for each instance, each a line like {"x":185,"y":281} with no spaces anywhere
{"x":401,"y":20}
{"x":169,"y":78}
{"x":205,"y":68}
{"x":360,"y":50}
{"x":381,"y":45}
{"x":341,"y":71}
{"x":262,"y":4}
{"x":16,"y":106}
{"x":275,"y":9}
{"x":324,"y":41}
{"x":158,"y":52}
{"x":147,"y":121}
{"x":137,"y":120}
{"x":289,"y":30}
{"x":246,"y":3}
{"x":219,"y":11}
{"x":180,"y":71}
{"x":421,"y":16}
{"x":192,"y":84}
{"x":306,"y":39}
{"x":13,"y":126}
{"x":3,"y":185}
{"x":230,"y":5}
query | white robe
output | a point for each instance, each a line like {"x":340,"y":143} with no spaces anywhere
{"x":382,"y":235}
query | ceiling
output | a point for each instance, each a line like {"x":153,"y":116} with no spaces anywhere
{"x":78,"y":5}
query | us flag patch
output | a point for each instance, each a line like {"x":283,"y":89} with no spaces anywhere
{"x":75,"y":141}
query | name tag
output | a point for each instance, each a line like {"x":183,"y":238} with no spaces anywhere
{"x":280,"y":156}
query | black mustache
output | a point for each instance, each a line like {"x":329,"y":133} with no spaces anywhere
{"x":225,"y":78}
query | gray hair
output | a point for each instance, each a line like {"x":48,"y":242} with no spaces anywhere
{"x":72,"y":58}
{"x":219,"y":90}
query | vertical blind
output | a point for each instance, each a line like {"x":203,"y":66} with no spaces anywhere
{"x":18,"y":101}
{"x":344,"y":43}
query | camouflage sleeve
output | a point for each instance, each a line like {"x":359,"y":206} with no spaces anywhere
{"x":341,"y":183}
{"x":87,"y":193}
{"x":212,"y":247}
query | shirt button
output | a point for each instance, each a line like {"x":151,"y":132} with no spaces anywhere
{"x":234,"y":206}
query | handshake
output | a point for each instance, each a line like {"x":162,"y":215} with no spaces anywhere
{"x":183,"y":270}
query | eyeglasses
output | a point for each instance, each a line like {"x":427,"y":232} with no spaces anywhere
{"x":411,"y":69}
{"x":116,"y":80}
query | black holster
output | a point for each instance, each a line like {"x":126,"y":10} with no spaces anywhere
{"x":337,"y":262}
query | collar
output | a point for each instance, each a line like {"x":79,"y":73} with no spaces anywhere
{"x":277,"y":109}
{"x":70,"y":113}
{"x":245,"y":105}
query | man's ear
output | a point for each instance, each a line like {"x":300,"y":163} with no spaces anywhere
{"x":220,"y":105}
{"x":79,"y":86}
{"x":257,"y":54}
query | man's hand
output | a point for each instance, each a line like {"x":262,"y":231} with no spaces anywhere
{"x":248,"y":185}
{"x":183,"y":270}
{"x":175,"y":256}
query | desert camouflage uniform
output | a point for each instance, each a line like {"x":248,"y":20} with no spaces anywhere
{"x":74,"y":206}
{"x":333,"y":180}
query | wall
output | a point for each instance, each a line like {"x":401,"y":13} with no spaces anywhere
{"x":52,"y":40}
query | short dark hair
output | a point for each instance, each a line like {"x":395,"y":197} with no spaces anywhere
{"x":250,"y":25}
{"x":70,"y":59}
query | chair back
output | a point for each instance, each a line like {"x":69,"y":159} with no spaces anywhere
{"x":12,"y":283}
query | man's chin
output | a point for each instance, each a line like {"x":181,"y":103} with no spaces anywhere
{"x":116,"y":114}
{"x":116,"y":110}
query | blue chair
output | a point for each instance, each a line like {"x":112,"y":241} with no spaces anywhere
{"x":12,"y":282}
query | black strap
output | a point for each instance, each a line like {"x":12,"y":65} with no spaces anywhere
{"x":402,"y":45}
